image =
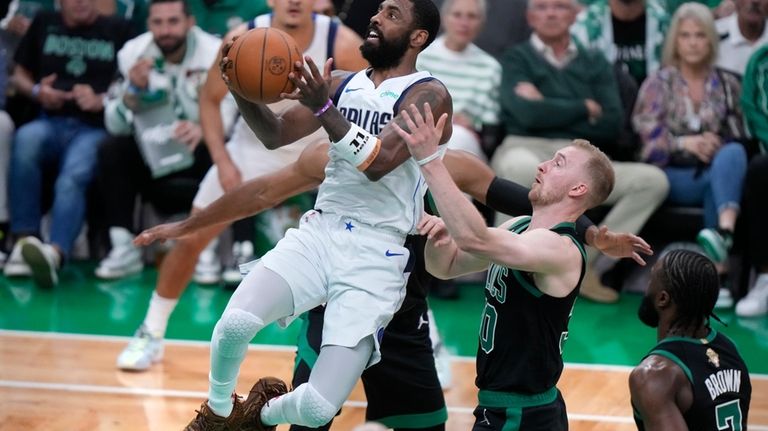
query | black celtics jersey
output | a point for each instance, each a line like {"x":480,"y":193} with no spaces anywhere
{"x":523,"y":330}
{"x":719,"y":381}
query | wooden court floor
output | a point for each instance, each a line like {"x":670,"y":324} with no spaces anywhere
{"x":53,"y":382}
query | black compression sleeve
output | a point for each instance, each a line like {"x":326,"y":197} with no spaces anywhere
{"x":508,"y":197}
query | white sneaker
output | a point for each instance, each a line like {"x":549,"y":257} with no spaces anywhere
{"x":443,"y":366}
{"x":208,"y":268}
{"x":724,"y":299}
{"x":43,"y":261}
{"x":755,"y":304}
{"x":123,"y":260}
{"x":242,"y":252}
{"x":143,"y":351}
{"x":15,"y":265}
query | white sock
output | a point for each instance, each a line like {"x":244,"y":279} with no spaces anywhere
{"x":220,"y":396}
{"x":159,"y":312}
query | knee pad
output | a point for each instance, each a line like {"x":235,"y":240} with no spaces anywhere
{"x":234,"y":331}
{"x":314,"y":410}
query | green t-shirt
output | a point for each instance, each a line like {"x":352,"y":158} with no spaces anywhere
{"x":219,"y":16}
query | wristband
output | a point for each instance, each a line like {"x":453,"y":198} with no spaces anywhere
{"x":358,"y":147}
{"x":35,"y":91}
{"x":325,"y":107}
{"x":428,"y":159}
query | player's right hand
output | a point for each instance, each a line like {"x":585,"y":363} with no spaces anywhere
{"x":160,"y":233}
{"x":226,"y":63}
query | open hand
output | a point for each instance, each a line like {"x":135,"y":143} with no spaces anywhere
{"x":424,"y":136}
{"x":160,"y":233}
{"x":312,"y":87}
{"x":621,"y":245}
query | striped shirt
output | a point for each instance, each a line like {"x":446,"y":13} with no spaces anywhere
{"x":472,"y":77}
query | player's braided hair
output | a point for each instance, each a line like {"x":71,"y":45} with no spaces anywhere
{"x":692,"y":281}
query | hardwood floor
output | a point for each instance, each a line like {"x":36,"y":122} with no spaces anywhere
{"x":62,"y":382}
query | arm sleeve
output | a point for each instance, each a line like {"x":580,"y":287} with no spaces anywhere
{"x":754,"y":97}
{"x":118,"y":119}
{"x":605,"y":92}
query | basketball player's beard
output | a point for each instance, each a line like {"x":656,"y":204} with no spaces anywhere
{"x":387,"y":54}
{"x":647,"y":313}
{"x":541,"y":198}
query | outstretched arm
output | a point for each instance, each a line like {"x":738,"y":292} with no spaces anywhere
{"x":538,"y":250}
{"x":475,"y":178}
{"x":251,"y":197}
{"x":657,"y":388}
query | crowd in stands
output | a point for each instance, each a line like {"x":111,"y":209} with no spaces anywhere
{"x":101,"y":111}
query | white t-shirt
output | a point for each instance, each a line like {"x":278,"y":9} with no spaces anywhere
{"x":734,"y":49}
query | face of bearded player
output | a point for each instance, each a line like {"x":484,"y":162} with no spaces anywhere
{"x":389,"y":35}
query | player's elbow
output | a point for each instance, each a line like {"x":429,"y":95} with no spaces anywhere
{"x":470,"y":242}
{"x":439,"y":271}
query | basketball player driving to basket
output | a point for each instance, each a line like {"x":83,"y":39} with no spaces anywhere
{"x":348,"y":253}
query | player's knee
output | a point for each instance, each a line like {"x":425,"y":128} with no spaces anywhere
{"x":234,"y":331}
{"x":315,"y":410}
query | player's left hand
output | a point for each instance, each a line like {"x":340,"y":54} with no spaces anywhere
{"x":312,"y":87}
{"x":424,"y":135}
{"x":621,"y":245}
{"x":434,"y":228}
{"x":160,"y":233}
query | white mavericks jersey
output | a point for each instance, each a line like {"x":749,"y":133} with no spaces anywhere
{"x":396,"y":201}
{"x":320,"y":50}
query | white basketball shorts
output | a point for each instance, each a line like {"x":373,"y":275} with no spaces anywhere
{"x":356,"y":269}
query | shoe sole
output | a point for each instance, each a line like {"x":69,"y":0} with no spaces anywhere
{"x":206,"y":280}
{"x":107,"y":275}
{"x":16,"y":270}
{"x":706,"y":240}
{"x":154,"y":361}
{"x":42,"y":272}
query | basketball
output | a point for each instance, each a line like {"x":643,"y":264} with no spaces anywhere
{"x":262,"y":58}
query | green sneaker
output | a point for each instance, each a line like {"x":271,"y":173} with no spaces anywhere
{"x":716,"y":243}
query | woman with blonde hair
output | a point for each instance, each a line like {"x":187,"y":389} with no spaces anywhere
{"x":689,"y":120}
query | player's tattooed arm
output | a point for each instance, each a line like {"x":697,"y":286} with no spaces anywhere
{"x":393,"y":149}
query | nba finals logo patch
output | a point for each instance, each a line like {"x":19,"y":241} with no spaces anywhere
{"x":277,"y":65}
{"x":713,"y":358}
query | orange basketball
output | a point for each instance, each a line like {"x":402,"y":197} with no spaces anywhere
{"x":262,"y":58}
